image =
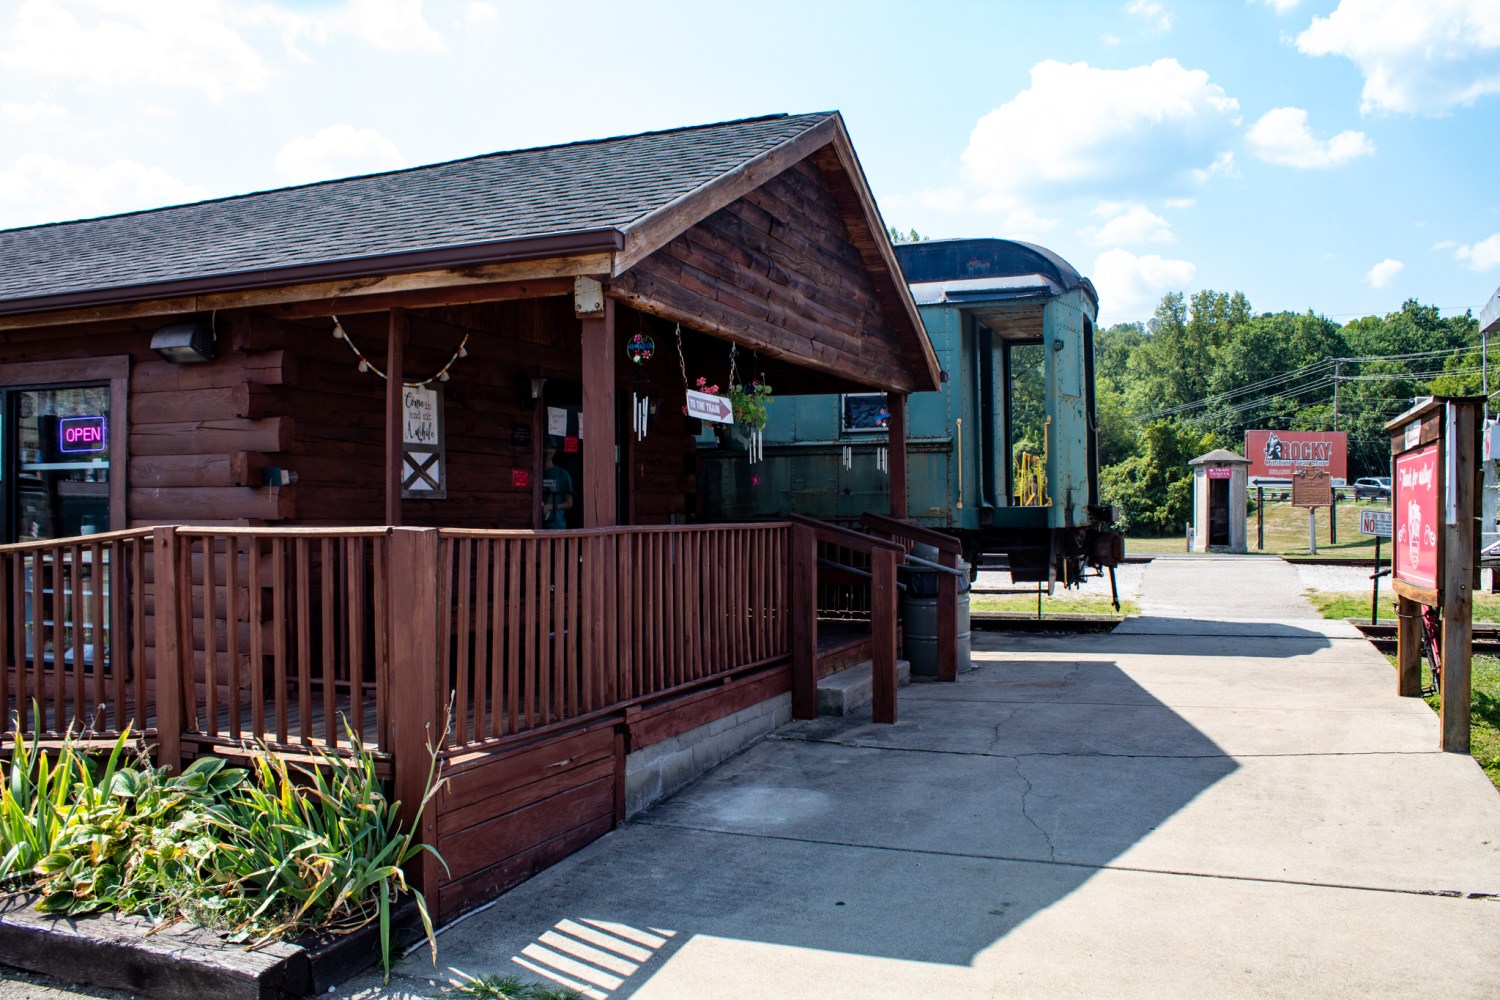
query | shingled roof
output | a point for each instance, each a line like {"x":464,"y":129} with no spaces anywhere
{"x":504,"y":206}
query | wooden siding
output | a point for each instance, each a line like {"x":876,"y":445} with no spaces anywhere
{"x":778,"y":269}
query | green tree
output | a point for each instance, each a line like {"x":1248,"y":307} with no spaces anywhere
{"x":1153,"y":489}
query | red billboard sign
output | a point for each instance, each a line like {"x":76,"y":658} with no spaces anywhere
{"x":1416,"y":515}
{"x":1279,"y":454}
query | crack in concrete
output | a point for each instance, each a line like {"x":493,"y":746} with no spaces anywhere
{"x":1051,"y":847}
{"x":1454,"y":894}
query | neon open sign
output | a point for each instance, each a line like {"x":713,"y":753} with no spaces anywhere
{"x":82,"y":434}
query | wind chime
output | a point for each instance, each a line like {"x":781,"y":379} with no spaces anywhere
{"x":755,"y":451}
{"x":639,"y":348}
{"x":366,"y":365}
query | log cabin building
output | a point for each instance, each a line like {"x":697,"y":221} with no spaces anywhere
{"x":359,"y":394}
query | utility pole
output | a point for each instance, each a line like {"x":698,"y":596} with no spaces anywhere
{"x":1336,"y":393}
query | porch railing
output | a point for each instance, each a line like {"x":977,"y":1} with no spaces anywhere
{"x":73,"y":643}
{"x":543,"y":627}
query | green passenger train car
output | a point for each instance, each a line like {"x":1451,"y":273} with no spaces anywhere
{"x":1005,"y":456}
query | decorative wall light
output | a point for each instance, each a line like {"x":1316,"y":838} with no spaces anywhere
{"x":185,"y":343}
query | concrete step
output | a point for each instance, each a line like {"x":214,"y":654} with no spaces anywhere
{"x":853,"y":688}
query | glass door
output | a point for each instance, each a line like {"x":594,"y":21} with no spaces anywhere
{"x":57,"y":459}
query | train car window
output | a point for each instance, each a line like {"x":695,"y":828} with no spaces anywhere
{"x":864,"y":412}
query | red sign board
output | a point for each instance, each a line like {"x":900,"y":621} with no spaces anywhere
{"x":1416,"y":517}
{"x":1279,"y":454}
{"x":1220,"y":472}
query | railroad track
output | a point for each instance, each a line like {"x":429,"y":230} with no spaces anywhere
{"x":1383,"y":637}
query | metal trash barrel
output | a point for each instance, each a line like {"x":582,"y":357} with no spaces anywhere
{"x":919,"y":616}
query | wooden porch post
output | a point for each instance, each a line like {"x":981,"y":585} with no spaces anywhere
{"x":168,"y":651}
{"x":804,"y":608}
{"x":598,"y":316}
{"x":415,"y":698}
{"x":883,"y":631}
{"x":395,"y":342}
{"x":896,"y":453}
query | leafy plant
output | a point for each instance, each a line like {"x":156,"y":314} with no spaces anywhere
{"x":319,"y":847}
{"x":294,"y":848}
{"x":750,"y":403}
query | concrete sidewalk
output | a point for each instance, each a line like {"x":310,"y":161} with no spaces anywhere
{"x":1223,"y":797}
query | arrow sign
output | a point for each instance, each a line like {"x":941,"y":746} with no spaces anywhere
{"x":717,"y":409}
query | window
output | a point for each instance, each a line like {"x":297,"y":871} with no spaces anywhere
{"x":62,"y":437}
{"x":864,"y":412}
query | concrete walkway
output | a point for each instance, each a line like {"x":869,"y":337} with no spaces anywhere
{"x":1222,"y":798}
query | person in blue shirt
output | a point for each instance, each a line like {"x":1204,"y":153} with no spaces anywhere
{"x":557,"y":493}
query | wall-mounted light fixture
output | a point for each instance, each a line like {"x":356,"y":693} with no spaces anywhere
{"x":530,"y":391}
{"x":185,"y":343}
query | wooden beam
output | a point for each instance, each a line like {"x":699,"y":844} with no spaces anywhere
{"x":1459,"y":574}
{"x":345,"y":292}
{"x":503,"y":291}
{"x":895,"y":404}
{"x":599,"y":487}
{"x":395,"y":341}
{"x":803,"y":599}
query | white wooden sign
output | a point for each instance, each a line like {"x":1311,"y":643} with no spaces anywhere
{"x":717,"y":409}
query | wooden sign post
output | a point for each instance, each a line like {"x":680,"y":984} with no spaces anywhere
{"x":1435,"y":548}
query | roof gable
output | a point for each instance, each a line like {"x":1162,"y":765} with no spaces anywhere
{"x":529,"y":202}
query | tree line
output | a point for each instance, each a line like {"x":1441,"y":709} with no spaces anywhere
{"x":1206,"y":368}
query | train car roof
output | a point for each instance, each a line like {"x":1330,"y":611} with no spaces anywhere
{"x":975,"y":270}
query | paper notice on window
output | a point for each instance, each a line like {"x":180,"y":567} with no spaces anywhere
{"x":557,"y":421}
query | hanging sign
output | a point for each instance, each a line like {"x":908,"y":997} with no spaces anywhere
{"x":82,"y":434}
{"x":422,"y":460}
{"x":715,"y":409}
{"x":1416,"y":517}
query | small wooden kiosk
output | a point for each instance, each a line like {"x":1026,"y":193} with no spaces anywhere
{"x":1434,"y":556}
{"x":1220,"y":480}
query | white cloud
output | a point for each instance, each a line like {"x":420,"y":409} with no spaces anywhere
{"x":1121,"y":129}
{"x":1128,"y":223}
{"x":1129,"y":286}
{"x":1110,"y":40}
{"x":1150,"y":10}
{"x":1384,"y":273}
{"x":1281,"y":136}
{"x":1222,"y":164}
{"x":394,"y":25}
{"x":32,"y":189}
{"x":1181,"y":202}
{"x":1416,"y":55}
{"x":1480,"y":256}
{"x":337,"y":151}
{"x":1281,"y":6}
{"x":1442,"y":245}
{"x":942,"y":199}
{"x":480,"y":12}
{"x":184,"y":44}
{"x":35,"y":113}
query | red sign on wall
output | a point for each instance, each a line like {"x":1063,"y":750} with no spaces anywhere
{"x":1278,"y":454}
{"x":1416,"y":515}
{"x":1220,"y":472}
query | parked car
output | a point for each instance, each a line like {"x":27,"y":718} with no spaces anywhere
{"x":1372,"y":488}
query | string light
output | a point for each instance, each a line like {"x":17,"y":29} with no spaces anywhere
{"x":366,"y":365}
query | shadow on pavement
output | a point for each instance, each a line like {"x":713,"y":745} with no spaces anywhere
{"x":927,"y":841}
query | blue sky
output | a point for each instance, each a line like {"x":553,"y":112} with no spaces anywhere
{"x":1333,"y":155}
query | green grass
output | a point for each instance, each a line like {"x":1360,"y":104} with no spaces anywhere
{"x":1484,"y":708}
{"x":493,"y":987}
{"x":1357,"y":606}
{"x":1286,"y":533}
{"x":1061,"y":604}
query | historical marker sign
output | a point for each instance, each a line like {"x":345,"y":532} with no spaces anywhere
{"x":1312,"y":488}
